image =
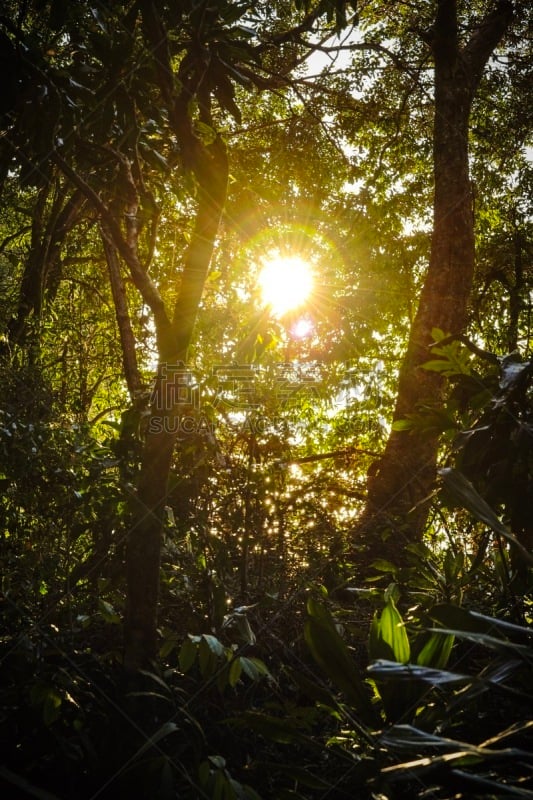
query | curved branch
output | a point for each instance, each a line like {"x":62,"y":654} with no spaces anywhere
{"x":142,"y":281}
{"x":486,"y":38}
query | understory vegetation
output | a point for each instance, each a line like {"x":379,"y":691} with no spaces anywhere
{"x":201,"y":596}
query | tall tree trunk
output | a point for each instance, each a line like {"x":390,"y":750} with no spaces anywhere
{"x":401,"y":480}
{"x":144,"y":541}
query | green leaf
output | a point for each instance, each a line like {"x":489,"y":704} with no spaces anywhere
{"x":437,"y":365}
{"x":205,"y":132}
{"x":460,"y":619}
{"x":187,"y":655}
{"x":244,"y":628}
{"x":388,"y":635}
{"x":235,"y":671}
{"x":493,"y":643}
{"x":412,"y":739}
{"x":170,"y":642}
{"x":153,"y":677}
{"x":51,"y":707}
{"x":464,"y":493}
{"x":217,"y":761}
{"x":214,"y":644}
{"x":392,"y":670}
{"x":254,"y":668}
{"x":206,"y":658}
{"x":402,"y":425}
{"x":331,"y":654}
{"x":382,"y":565}
{"x":436,"y":652}
{"x":108,"y":612}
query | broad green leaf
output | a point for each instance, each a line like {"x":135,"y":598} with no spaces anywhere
{"x":464,"y":493}
{"x":331,"y":654}
{"x":153,"y":677}
{"x":214,"y":644}
{"x":235,"y":671}
{"x":377,"y":647}
{"x":391,"y":670}
{"x":436,"y":651}
{"x":207,"y":658}
{"x":388,"y":635}
{"x":187,"y":655}
{"x":170,"y":642}
{"x":244,"y":628}
{"x":460,"y":619}
{"x":254,"y":668}
{"x":217,"y":761}
{"x":222,"y":789}
{"x":492,"y":642}
{"x":412,"y":739}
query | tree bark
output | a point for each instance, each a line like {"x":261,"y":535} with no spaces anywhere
{"x":400,"y":481}
{"x":42,"y":271}
{"x":144,"y":542}
{"x":125,"y":330}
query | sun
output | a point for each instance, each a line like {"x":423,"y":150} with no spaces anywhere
{"x":286,"y":282}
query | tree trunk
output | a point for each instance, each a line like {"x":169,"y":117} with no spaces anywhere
{"x":144,"y":541}
{"x":400,"y":481}
{"x":122,"y":314}
{"x":42,"y":272}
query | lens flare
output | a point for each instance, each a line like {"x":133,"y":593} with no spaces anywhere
{"x":286,"y":283}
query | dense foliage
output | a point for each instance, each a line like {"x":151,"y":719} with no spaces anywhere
{"x":189,"y":607}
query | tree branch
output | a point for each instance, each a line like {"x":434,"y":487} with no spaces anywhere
{"x":142,"y":281}
{"x":486,"y":38}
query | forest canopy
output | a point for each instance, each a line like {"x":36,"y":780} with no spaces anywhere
{"x":266,"y":419}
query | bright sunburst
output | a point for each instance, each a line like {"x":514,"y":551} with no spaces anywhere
{"x":286,"y":282}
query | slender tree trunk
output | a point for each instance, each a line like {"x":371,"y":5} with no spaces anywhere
{"x":120,"y":301}
{"x":42,"y":272}
{"x":144,"y":541}
{"x":400,"y":481}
